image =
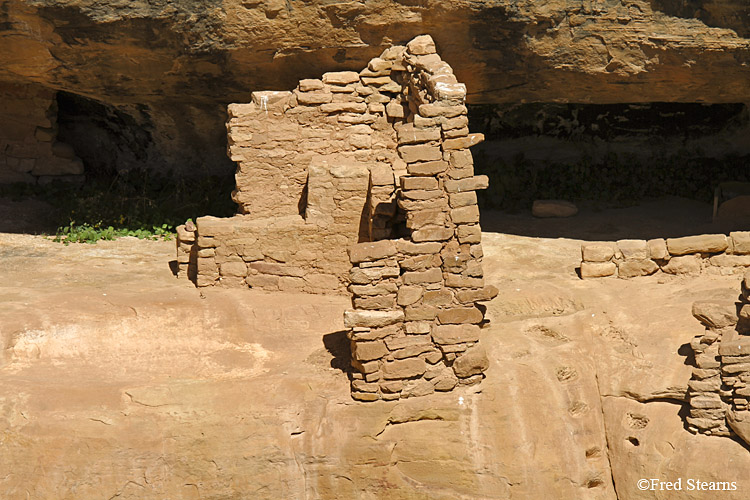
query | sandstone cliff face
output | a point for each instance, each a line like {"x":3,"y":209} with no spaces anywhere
{"x":182,"y":62}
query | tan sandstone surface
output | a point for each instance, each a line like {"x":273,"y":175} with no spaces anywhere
{"x":119,"y":381}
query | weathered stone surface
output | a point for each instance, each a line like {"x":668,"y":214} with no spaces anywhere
{"x":715,"y":314}
{"x":460,"y":315}
{"x":704,"y":243}
{"x":455,"y":334}
{"x":366,"y":252}
{"x":633,"y":249}
{"x":372,"y":319}
{"x":597,"y":269}
{"x":633,"y":268}
{"x":367,"y":351}
{"x":657,"y":249}
{"x":597,"y":251}
{"x":740,"y":242}
{"x":685,"y":264}
{"x":472,"y":362}
{"x":404,"y":368}
{"x":553,"y":208}
{"x":408,"y":295}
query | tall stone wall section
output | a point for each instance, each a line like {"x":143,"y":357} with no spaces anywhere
{"x":319,"y":169}
{"x":686,"y":255}
{"x":415,"y":323}
{"x":719,"y":389}
{"x":29,"y":150}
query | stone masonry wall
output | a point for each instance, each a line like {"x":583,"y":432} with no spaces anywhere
{"x":318,"y":170}
{"x":719,"y":390}
{"x":415,"y":323}
{"x":29,"y":150}
{"x":686,"y":255}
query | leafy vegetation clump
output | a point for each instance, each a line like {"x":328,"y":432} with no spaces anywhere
{"x":141,"y":203}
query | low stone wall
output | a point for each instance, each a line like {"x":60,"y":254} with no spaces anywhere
{"x":288,"y":252}
{"x":29,"y":150}
{"x":719,"y":390}
{"x":686,"y":255}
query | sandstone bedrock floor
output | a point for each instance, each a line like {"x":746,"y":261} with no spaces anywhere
{"x":119,"y":381}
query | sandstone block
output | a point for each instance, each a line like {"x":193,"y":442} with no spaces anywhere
{"x":740,"y":242}
{"x":432,"y":233}
{"x":313,"y":98}
{"x":728,"y":260}
{"x":434,"y":275}
{"x":416,"y":388}
{"x":457,"y":200}
{"x":276,"y":269}
{"x":409,"y":183}
{"x":417,"y":327}
{"x":633,"y":249}
{"x":463,"y":142}
{"x":341,"y":77}
{"x":597,"y":269}
{"x":408,"y":134}
{"x":411,"y":248}
{"x":377,"y":302}
{"x":371,"y":251}
{"x":420,"y":313}
{"x":633,"y":268}
{"x":408,"y":295}
{"x":445,"y":381}
{"x":597,"y":251}
{"x":459,"y":315}
{"x":420,"y":262}
{"x":421,"y":194}
{"x":445,"y":91}
{"x":468,"y":184}
{"x":344,"y":107}
{"x":440,"y":297}
{"x":489,"y":292}
{"x":367,"y":351}
{"x":473,"y":361}
{"x":553,"y":208}
{"x":465,"y":215}
{"x":394,"y":110}
{"x":427,"y":168}
{"x":715,"y":314}
{"x":237,"y":269}
{"x":309,"y":85}
{"x":372,"y":319}
{"x":404,"y":368}
{"x":421,"y":45}
{"x":420,"y":153}
{"x":455,"y":334}
{"x":657,"y":249}
{"x":270,"y":99}
{"x":685,"y":264}
{"x":458,"y":281}
{"x":704,"y":243}
{"x":469,"y":234}
{"x":435,"y":110}
{"x":366,"y":276}
{"x":421,"y":218}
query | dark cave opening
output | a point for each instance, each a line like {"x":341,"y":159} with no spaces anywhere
{"x":667,"y":157}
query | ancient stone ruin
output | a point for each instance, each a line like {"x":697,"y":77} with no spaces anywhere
{"x":686,"y":255}
{"x":718,"y":391}
{"x":370,"y":170}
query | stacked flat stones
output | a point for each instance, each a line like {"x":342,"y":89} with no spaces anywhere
{"x":403,"y":118}
{"x":686,"y":255}
{"x":720,"y":384}
{"x":415,"y":328}
{"x":187,"y":250}
{"x":412,"y":333}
